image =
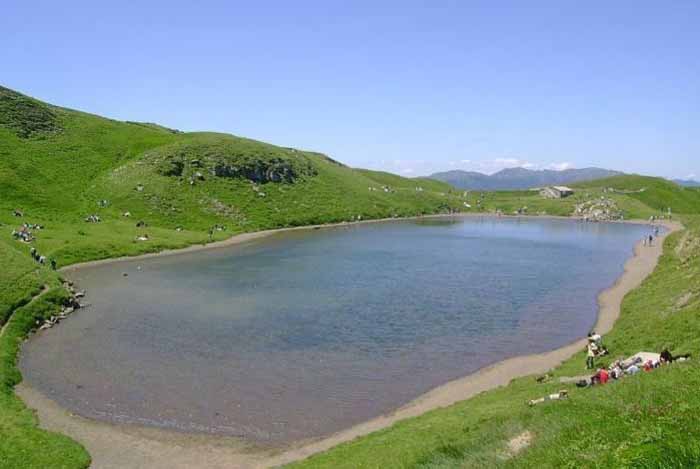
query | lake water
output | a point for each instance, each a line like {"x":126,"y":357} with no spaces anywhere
{"x":304,"y":333}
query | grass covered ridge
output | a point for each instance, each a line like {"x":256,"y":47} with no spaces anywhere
{"x":26,"y":117}
{"x":58,"y":166}
{"x":37,"y":295}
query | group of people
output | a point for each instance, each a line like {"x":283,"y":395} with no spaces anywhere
{"x":649,"y":240}
{"x":41,"y":259}
{"x":594,"y":349}
{"x":619,"y":368}
{"x":215,"y":228}
{"x":23,"y":233}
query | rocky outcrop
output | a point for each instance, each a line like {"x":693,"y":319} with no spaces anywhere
{"x":68,"y":307}
{"x":599,"y":209}
{"x":228,"y":158}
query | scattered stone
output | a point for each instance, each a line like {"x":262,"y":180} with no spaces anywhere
{"x":684,"y":300}
{"x":599,"y":209}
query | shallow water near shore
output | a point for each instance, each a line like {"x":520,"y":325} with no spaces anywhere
{"x":304,"y":333}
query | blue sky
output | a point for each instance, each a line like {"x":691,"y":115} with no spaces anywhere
{"x":409,"y":87}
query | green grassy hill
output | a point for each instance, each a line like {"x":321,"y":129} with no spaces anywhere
{"x":59,"y":166}
{"x":657,"y":193}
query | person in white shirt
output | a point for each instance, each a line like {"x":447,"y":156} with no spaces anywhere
{"x":592,"y":351}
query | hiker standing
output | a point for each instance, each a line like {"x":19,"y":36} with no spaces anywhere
{"x":591,"y":353}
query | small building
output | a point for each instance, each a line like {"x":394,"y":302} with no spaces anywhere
{"x":556,"y":192}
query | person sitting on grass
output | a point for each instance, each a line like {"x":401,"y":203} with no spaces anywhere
{"x":649,"y":365}
{"x":601,"y":377}
{"x":616,"y":370}
{"x":666,"y":357}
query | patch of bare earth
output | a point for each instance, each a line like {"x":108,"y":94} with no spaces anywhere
{"x":519,"y":443}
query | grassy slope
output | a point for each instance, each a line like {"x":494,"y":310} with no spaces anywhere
{"x":656,"y":193}
{"x":56,"y":164}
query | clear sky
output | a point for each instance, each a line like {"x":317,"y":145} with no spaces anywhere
{"x":409,"y":87}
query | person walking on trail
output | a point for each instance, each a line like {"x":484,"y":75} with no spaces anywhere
{"x":592,"y":350}
{"x":651,"y":240}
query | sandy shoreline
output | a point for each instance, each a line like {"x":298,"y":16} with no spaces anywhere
{"x":117,"y":446}
{"x":252,"y":236}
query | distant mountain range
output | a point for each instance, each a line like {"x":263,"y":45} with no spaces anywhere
{"x":687,"y":182}
{"x":520,"y":178}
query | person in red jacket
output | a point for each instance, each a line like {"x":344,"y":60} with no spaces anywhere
{"x":603,"y":376}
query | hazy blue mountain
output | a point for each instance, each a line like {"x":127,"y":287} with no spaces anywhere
{"x":520,"y":178}
{"x":687,"y":182}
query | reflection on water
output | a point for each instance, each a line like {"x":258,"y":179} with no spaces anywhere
{"x":308,"y":332}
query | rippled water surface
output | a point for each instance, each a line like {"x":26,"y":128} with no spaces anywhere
{"x":304,"y":333}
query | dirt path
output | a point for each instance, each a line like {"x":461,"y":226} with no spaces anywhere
{"x":126,"y":447}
